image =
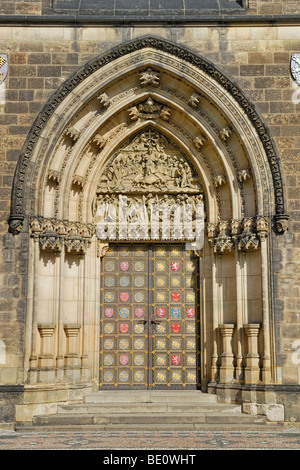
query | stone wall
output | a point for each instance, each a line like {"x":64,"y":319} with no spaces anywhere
{"x":277,"y":7}
{"x":256,"y":58}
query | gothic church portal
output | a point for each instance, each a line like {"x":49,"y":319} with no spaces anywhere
{"x":147,"y":100}
{"x":118,"y":303}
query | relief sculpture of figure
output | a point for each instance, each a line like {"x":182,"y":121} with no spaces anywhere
{"x":152,"y":175}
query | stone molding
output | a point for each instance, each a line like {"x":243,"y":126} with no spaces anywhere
{"x":56,"y":235}
{"x":224,"y":236}
{"x":243,"y":235}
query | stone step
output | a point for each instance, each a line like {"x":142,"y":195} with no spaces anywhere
{"x":145,"y":428}
{"x":140,"y":419}
{"x":153,"y":396}
{"x":146,"y":408}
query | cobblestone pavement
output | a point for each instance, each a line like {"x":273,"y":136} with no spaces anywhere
{"x":284,"y":439}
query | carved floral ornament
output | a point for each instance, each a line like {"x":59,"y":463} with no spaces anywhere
{"x":243,"y":235}
{"x":56,"y":235}
{"x":148,"y":77}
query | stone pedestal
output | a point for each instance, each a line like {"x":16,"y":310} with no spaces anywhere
{"x":46,"y":369}
{"x":46,"y":349}
{"x":252,"y":371}
{"x":227,"y":357}
{"x":72,"y":361}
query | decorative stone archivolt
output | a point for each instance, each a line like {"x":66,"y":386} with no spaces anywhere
{"x":187,"y":63}
{"x":148,"y":156}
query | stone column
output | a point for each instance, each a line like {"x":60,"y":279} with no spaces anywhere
{"x":214,"y":356}
{"x":227,"y":357}
{"x":252,"y":370}
{"x":263,"y":229}
{"x":241,"y":286}
{"x":32,"y":316}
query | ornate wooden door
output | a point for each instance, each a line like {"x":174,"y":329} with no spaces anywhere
{"x":149,"y":327}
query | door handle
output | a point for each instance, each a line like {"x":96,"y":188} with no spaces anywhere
{"x":156,"y":321}
{"x":141,"y":322}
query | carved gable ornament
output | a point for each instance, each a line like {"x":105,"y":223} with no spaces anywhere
{"x":148,"y":174}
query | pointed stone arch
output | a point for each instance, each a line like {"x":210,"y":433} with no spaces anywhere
{"x":142,"y":83}
{"x":201,"y":81}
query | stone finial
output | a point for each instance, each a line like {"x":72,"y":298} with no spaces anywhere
{"x":78,"y":180}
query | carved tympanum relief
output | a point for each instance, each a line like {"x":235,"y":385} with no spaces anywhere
{"x":149,"y":171}
{"x":150,"y":162}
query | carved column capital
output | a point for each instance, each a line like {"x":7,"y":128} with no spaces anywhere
{"x":102,"y":249}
